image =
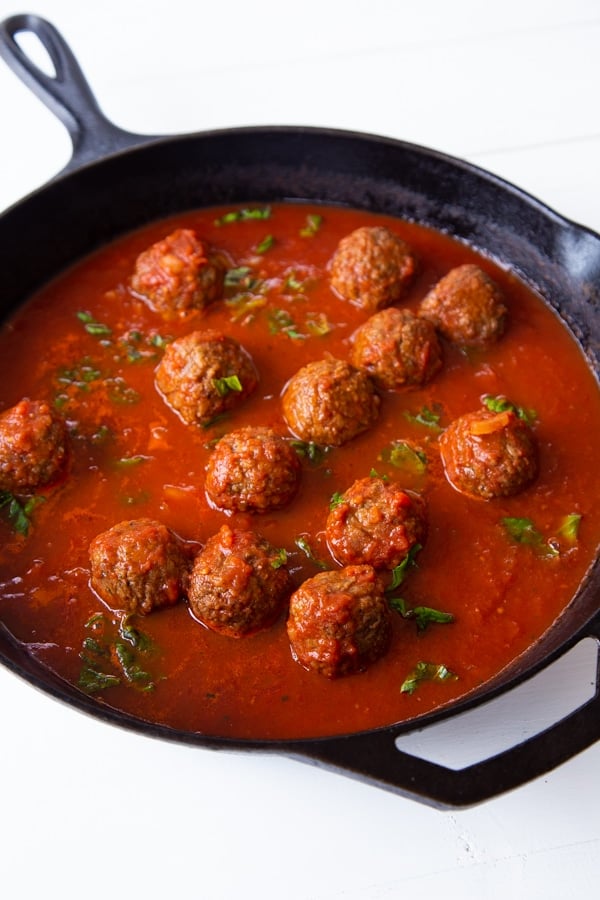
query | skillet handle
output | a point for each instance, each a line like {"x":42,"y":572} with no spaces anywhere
{"x":375,"y":758}
{"x":66,"y":93}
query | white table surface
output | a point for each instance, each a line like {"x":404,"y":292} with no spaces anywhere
{"x":88,"y":810}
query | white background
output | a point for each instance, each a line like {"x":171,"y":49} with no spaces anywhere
{"x":87,"y":810}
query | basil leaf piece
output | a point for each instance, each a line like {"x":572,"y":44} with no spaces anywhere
{"x":500,"y":404}
{"x":229,"y":383}
{"x":426,"y":671}
{"x":523,"y":531}
{"x":423,"y":615}
{"x":399,"y":571}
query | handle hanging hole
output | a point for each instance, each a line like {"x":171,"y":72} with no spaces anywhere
{"x":36,"y":53}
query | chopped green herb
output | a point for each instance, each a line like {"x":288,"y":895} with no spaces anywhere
{"x":120,"y":392}
{"x":114,"y":655}
{"x":423,"y":615}
{"x":500,"y":404}
{"x":401,"y":455}
{"x":293,"y":284}
{"x":318,"y":324}
{"x":315,"y":453}
{"x":303,"y":545}
{"x":229,"y":383}
{"x":235,"y":277}
{"x":19,"y":511}
{"x":375,"y":474}
{"x":266,"y":244}
{"x":98,"y":329}
{"x":430,"y":418}
{"x":399,"y":572}
{"x":80,"y":376}
{"x":570,"y":527}
{"x":280,"y":560}
{"x":244,"y":305}
{"x":335,"y":500}
{"x":313,"y":223}
{"x":244,"y":215}
{"x":426,"y":671}
{"x":523,"y":531}
{"x":280,"y":321}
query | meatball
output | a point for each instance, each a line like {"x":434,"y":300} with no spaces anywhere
{"x":487,"y":454}
{"x":372,"y":267}
{"x":204,"y":374}
{"x":178,"y":274}
{"x":467,"y":307}
{"x":139,"y":566}
{"x":339,"y":621}
{"x":375,"y":523}
{"x":397,"y":349}
{"x":253,"y":469}
{"x":329,"y":402}
{"x":33,"y":446}
{"x":238,"y":583}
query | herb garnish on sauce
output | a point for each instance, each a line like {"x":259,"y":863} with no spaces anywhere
{"x":426,"y":671}
{"x":19,"y":511}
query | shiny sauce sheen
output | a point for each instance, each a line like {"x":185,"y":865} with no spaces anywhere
{"x":131,"y":457}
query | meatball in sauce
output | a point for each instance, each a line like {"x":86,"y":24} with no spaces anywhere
{"x":33,"y":446}
{"x":467,"y":307}
{"x":329,"y":402}
{"x":339,"y":622}
{"x":488,"y":454}
{"x":239,"y":583}
{"x":375,"y":522}
{"x":139,"y":566}
{"x":253,"y":469}
{"x":397,"y":349}
{"x":205,"y":374}
{"x":178,"y":274}
{"x":372,"y":267}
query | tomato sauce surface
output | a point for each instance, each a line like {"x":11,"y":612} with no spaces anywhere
{"x":87,"y":344}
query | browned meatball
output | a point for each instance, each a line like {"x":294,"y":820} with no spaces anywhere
{"x":204,"y":374}
{"x":467,"y":307}
{"x":487,"y":454}
{"x":253,"y":469}
{"x":139,"y":566}
{"x":238,"y":584}
{"x":397,"y":349}
{"x":375,"y":522}
{"x":33,"y":446}
{"x":339,"y":622}
{"x":372,"y":267}
{"x":329,"y":402}
{"x":178,"y":273}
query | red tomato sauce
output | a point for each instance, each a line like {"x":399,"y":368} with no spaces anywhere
{"x":131,"y":457}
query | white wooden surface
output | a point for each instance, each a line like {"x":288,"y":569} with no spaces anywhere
{"x":87,"y":810}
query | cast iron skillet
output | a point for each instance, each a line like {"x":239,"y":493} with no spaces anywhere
{"x":117,"y":181}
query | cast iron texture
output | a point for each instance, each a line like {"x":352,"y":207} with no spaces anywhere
{"x":117,"y":181}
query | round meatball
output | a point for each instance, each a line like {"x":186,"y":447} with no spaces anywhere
{"x":372,"y":267}
{"x":253,"y":469}
{"x":375,"y":523}
{"x":339,"y":621}
{"x":239,"y":584}
{"x":178,"y":274}
{"x":205,"y":374}
{"x":397,"y":349}
{"x":33,"y":446}
{"x":467,"y":307}
{"x":487,"y":454}
{"x":329,"y":402}
{"x":139,"y":566}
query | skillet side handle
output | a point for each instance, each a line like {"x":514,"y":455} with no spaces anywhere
{"x":375,"y":758}
{"x":67,"y":93}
